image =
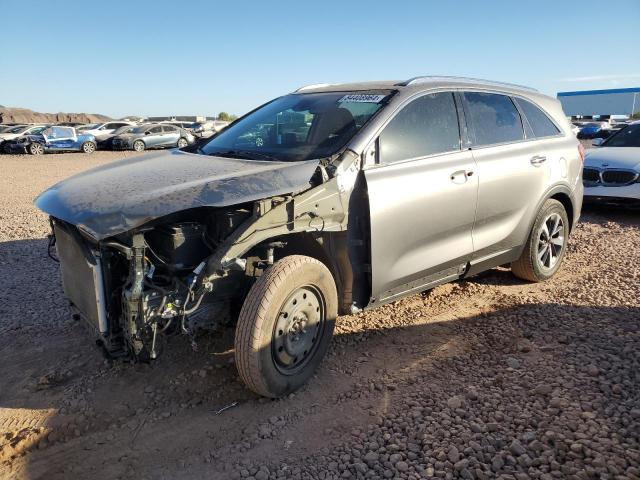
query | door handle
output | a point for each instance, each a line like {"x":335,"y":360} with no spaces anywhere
{"x":460,"y":176}
{"x":538,"y":160}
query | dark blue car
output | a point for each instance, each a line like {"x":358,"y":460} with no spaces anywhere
{"x":593,"y":130}
{"x":53,"y":139}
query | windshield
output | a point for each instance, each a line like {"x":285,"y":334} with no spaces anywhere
{"x":627,"y":137}
{"x":591,"y":125}
{"x":298,"y":127}
{"x":91,"y":126}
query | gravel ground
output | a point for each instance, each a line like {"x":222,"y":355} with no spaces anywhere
{"x":486,"y":378}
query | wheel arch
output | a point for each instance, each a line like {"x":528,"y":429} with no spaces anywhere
{"x":329,"y":248}
{"x":565,"y":199}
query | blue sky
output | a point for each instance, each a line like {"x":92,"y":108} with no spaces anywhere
{"x":201,"y":57}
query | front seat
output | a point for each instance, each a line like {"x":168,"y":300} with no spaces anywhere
{"x":331,"y":129}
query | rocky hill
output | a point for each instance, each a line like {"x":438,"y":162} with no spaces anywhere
{"x":24,"y":115}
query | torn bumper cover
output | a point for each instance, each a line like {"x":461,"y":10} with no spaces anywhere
{"x":121,"y":196}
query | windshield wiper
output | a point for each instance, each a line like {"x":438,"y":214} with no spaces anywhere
{"x":244,"y":155}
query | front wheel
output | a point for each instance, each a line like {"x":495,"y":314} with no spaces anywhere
{"x":88,"y":147}
{"x":285,"y":325}
{"x":36,"y":149}
{"x":182,"y":142}
{"x":546,"y":244}
{"x":138,"y":145}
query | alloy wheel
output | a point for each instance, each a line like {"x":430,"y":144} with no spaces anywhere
{"x":551,"y":241}
{"x":36,"y":149}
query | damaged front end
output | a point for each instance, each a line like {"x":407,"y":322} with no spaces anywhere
{"x":190,"y":270}
{"x":137,"y":287}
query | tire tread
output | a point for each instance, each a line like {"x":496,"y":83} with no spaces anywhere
{"x":253,"y":315}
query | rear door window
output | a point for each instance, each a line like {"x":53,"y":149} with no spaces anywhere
{"x":426,"y":126}
{"x":540,"y":123}
{"x":494,"y":119}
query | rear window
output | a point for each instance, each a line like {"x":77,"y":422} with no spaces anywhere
{"x":540,"y":123}
{"x":494,"y":119}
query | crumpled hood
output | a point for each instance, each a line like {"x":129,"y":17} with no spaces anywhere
{"x":613,"y":157}
{"x":120,"y":196}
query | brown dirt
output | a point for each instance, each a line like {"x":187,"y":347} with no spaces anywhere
{"x":24,"y":115}
{"x":475,"y":379}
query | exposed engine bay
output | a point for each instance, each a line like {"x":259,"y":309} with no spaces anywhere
{"x":153,"y":280}
{"x":190,"y":271}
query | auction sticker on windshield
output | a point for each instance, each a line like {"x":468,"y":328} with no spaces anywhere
{"x":361,"y":98}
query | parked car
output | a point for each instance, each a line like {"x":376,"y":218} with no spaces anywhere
{"x":18,"y":131}
{"x":106,"y":142}
{"x":179,"y":124}
{"x":52,"y":139}
{"x":593,"y":130}
{"x":612,"y":171}
{"x":6,"y":145}
{"x":153,"y":135}
{"x":4,"y":128}
{"x":616,"y":127}
{"x":360,"y":194}
{"x":88,"y":126}
{"x":102,"y":131}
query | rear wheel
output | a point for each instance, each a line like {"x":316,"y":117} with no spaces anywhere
{"x":88,"y":147}
{"x":138,"y":145}
{"x":546,"y":245}
{"x":182,"y":142}
{"x":285,"y":325}
{"x":36,"y":148}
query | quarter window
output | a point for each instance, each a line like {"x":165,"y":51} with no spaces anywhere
{"x":540,"y":123}
{"x":494,"y":119}
{"x":426,"y":126}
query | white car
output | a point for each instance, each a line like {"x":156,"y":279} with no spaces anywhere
{"x":611,"y":172}
{"x":20,"y":130}
{"x":103,"y":130}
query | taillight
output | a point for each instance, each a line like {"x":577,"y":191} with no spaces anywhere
{"x":581,"y":152}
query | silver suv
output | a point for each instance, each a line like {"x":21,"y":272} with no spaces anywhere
{"x":325,"y":201}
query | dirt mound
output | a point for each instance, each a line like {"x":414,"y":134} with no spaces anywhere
{"x":24,"y":115}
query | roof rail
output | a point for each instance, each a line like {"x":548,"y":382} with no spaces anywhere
{"x":431,"y":78}
{"x":313,"y":85}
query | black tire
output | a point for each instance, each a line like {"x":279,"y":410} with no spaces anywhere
{"x":139,"y":146}
{"x":182,"y":142}
{"x":262,"y":343}
{"x":36,"y":148}
{"x":88,"y":147}
{"x":534,"y":265}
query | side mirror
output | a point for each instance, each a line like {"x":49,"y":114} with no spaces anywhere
{"x":597,"y":142}
{"x":147,"y":132}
